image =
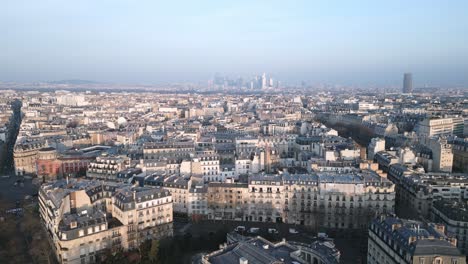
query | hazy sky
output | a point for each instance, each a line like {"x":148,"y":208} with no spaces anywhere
{"x":347,"y":42}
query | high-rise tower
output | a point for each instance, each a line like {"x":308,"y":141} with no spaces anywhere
{"x":264,"y":81}
{"x":408,"y":83}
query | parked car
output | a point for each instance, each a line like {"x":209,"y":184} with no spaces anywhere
{"x":240,"y":229}
{"x":272,"y":231}
{"x":254,"y":230}
{"x":293,"y":231}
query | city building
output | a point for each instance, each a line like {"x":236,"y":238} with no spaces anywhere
{"x":407,"y":83}
{"x":416,"y":190}
{"x":434,"y":126}
{"x":376,"y":145}
{"x":335,"y":200}
{"x":442,"y":154}
{"x":25,"y":157}
{"x":397,"y":241}
{"x":454,"y":215}
{"x":106,"y":167}
{"x":460,"y":154}
{"x":85,"y":218}
{"x":244,"y":250}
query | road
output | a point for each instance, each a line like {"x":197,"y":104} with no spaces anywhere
{"x":12,"y":193}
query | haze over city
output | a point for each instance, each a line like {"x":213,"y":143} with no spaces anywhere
{"x":157,"y":42}
{"x":233,"y":132}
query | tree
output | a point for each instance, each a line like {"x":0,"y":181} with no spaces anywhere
{"x":154,"y":251}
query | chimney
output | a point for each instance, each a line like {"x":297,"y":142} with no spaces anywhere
{"x":453,"y":241}
{"x":440,"y":228}
{"x":395,"y":226}
{"x":243,"y":260}
{"x":411,"y":239}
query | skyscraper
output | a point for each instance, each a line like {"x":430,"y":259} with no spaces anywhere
{"x":264,"y":81}
{"x":408,"y":83}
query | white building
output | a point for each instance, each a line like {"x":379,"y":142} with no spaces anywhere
{"x":376,"y":145}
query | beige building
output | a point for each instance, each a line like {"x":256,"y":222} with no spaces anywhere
{"x":173,"y":149}
{"x":336,"y":200}
{"x":442,"y":154}
{"x":106,"y":167}
{"x":266,"y":198}
{"x":25,"y":157}
{"x":227,"y":201}
{"x":179,"y":188}
{"x":328,"y":199}
{"x":206,"y":165}
{"x":86,"y":218}
{"x":430,"y":127}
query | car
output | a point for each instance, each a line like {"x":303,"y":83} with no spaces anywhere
{"x":254,"y":230}
{"x":240,"y":229}
{"x":322,"y":235}
{"x":293,"y":231}
{"x":272,"y":231}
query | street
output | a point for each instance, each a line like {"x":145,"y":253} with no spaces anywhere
{"x":11,"y":193}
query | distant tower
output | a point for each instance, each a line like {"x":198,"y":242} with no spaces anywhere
{"x":264,"y":81}
{"x":408,"y":83}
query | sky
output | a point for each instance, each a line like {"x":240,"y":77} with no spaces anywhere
{"x":334,"y":42}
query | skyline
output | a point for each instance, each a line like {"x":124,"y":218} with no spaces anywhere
{"x":322,"y":42}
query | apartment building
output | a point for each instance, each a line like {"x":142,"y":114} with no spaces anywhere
{"x":416,"y":190}
{"x":398,"y":241}
{"x":86,"y":218}
{"x":179,"y":149}
{"x":460,"y":154}
{"x":25,"y":157}
{"x":331,"y":199}
{"x":206,"y":165}
{"x":336,"y":200}
{"x":197,"y":201}
{"x":454,"y":215}
{"x":376,"y":145}
{"x":442,"y":154}
{"x":227,"y":201}
{"x":430,"y":127}
{"x":266,"y":198}
{"x":106,"y":167}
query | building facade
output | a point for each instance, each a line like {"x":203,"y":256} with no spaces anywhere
{"x":85,"y":219}
{"x":397,"y":241}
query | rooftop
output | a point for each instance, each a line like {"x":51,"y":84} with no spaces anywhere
{"x":417,"y":237}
